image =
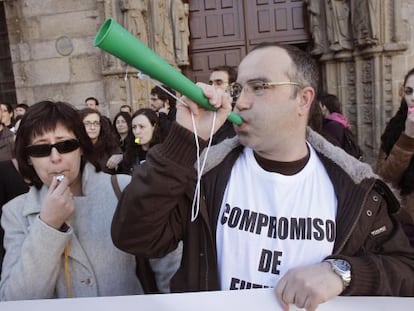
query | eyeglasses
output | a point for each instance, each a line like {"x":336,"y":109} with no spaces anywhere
{"x":408,"y":91}
{"x":44,"y":150}
{"x":256,"y":87}
{"x":217,"y":82}
{"x":90,"y":124}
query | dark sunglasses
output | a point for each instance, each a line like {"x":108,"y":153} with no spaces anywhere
{"x":44,"y":150}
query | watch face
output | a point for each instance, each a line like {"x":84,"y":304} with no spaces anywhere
{"x":342,"y":265}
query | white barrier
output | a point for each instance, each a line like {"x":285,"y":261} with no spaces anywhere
{"x":245,"y":300}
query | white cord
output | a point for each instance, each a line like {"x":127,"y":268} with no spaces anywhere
{"x":195,"y":208}
{"x":126,"y":74}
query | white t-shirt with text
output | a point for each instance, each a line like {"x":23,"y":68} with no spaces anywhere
{"x":270,"y":223}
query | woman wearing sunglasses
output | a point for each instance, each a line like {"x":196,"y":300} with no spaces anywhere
{"x":395,"y":161}
{"x":57,"y":236}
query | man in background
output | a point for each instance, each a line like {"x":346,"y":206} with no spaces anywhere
{"x":222,"y":78}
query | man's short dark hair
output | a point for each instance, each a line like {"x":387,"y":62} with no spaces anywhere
{"x":126,"y":106}
{"x":305,"y":69}
{"x":92,"y":98}
{"x":232,"y":72}
{"x":24,"y":106}
{"x":163,"y":95}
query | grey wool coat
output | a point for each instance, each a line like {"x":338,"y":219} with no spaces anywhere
{"x":33,"y":267}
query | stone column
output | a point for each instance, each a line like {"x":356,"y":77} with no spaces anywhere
{"x":360,"y":67}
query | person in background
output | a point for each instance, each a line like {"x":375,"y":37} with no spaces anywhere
{"x":305,"y":217}
{"x":12,"y":185}
{"x":155,"y":273}
{"x":395,"y":162}
{"x":106,"y":146}
{"x":57,"y":236}
{"x":334,"y":122}
{"x":146,"y":130}
{"x":222,"y":77}
{"x":165,"y":105}
{"x":6,"y":141}
{"x":92,"y":103}
{"x":8,"y":115}
{"x":20,"y":110}
{"x":126,"y":108}
{"x":123,"y":128}
{"x":336,"y":125}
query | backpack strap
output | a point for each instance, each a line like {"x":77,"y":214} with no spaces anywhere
{"x":115,"y":186}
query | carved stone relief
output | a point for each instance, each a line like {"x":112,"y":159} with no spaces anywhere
{"x":338,"y":20}
{"x":180,"y":12}
{"x":366,"y":35}
{"x":163,"y":26}
{"x":365,"y":22}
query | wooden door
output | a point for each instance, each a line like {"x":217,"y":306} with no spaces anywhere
{"x":223,"y":31}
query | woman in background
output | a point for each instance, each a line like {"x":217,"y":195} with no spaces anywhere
{"x":395,"y":161}
{"x":123,"y":129}
{"x":147,"y":133}
{"x":106,"y":147}
{"x":8,"y":115}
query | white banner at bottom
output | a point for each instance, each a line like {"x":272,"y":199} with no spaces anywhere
{"x":245,"y":300}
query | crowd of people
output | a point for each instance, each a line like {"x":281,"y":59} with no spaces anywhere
{"x":139,"y":204}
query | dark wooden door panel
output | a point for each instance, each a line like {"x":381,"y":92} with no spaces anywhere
{"x":222,"y":31}
{"x":203,"y":61}
{"x":216,"y":23}
{"x":281,"y":21}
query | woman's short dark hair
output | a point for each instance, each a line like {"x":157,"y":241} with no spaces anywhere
{"x":331,"y":102}
{"x":43,"y":117}
{"x":154,"y":120}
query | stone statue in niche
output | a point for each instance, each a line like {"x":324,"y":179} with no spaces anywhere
{"x":135,"y":15}
{"x":109,"y":63}
{"x":180,"y":12}
{"x":365,"y":22}
{"x":162,"y":30}
{"x":315,"y":8}
{"x":338,"y":25}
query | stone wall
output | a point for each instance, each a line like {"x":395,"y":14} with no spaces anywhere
{"x":53,"y":56}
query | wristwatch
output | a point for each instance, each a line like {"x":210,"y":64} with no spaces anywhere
{"x":343,"y":269}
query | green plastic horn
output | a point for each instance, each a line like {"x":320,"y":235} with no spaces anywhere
{"x":119,"y":42}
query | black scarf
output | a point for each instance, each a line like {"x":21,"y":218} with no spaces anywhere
{"x":391,"y":134}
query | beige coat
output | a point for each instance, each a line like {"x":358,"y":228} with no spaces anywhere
{"x":33,"y":267}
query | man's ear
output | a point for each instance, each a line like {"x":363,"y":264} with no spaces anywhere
{"x":306,"y":97}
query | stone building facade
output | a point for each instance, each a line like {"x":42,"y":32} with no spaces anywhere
{"x":53,"y":56}
{"x":364,"y":48}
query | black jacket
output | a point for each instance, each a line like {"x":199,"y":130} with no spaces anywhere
{"x":155,"y":213}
